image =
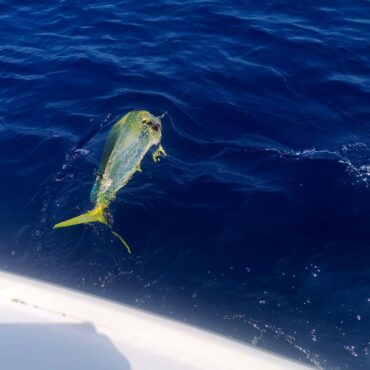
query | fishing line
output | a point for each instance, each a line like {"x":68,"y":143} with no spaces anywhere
{"x":173,"y":103}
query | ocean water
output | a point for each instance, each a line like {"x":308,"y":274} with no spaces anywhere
{"x":257,"y":224}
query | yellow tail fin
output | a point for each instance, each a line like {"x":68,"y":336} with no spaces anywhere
{"x":123,"y":241}
{"x":96,"y":215}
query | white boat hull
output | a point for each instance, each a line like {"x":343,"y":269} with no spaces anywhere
{"x":45,"y":327}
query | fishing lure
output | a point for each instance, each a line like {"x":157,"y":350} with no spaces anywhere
{"x":128,"y":142}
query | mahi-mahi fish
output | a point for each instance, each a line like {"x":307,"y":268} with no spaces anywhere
{"x":128,"y":142}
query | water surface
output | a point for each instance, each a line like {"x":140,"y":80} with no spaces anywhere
{"x":257,"y":225}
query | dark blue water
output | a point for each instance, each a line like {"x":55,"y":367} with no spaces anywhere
{"x":257,"y":225}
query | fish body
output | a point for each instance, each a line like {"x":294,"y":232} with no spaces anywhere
{"x":128,"y":142}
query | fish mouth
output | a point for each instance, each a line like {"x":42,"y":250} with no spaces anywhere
{"x":153,"y":123}
{"x":156,"y":127}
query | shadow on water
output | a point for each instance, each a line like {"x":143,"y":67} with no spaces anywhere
{"x":57,"y":347}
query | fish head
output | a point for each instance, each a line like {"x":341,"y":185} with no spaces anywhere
{"x":151,"y":125}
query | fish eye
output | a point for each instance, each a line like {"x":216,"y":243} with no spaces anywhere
{"x":149,"y":123}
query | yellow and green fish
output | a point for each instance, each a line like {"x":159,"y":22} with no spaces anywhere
{"x":128,"y":142}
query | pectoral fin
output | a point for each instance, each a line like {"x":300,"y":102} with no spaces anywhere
{"x":158,"y":153}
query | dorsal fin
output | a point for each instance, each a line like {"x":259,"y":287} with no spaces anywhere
{"x":111,"y":141}
{"x":109,"y":145}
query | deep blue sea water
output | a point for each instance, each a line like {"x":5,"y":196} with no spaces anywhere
{"x":257,"y":224}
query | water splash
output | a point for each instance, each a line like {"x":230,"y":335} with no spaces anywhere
{"x":267,"y":330}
